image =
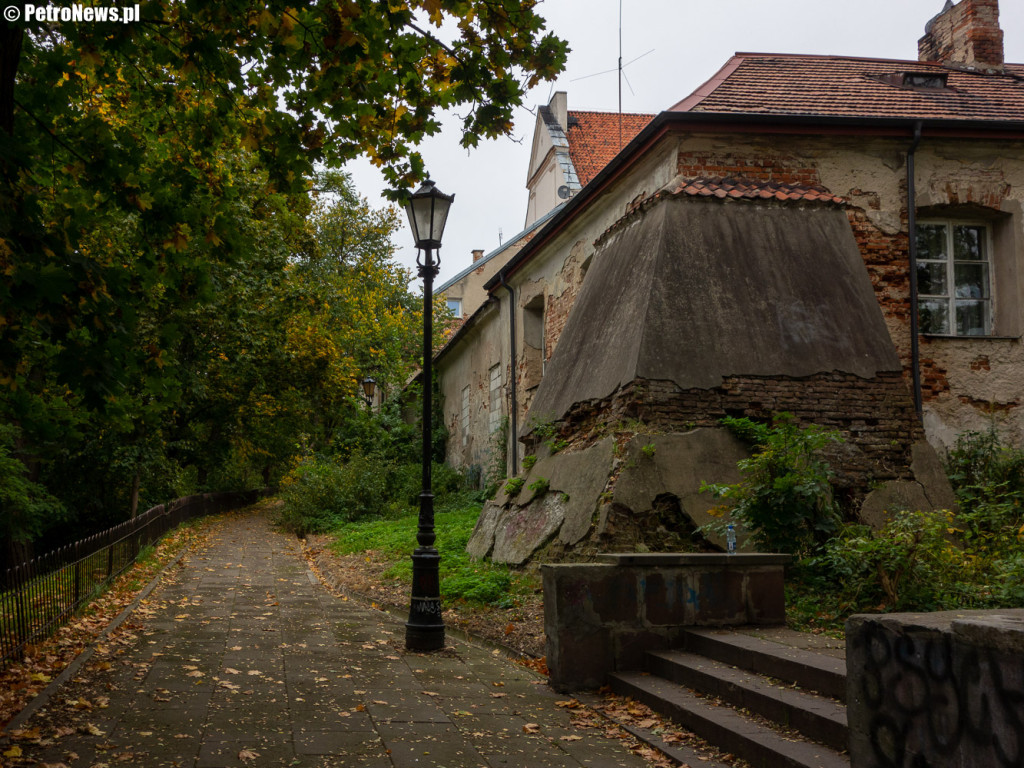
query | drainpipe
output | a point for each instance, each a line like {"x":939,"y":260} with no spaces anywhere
{"x":915,"y":352}
{"x":513,"y":416}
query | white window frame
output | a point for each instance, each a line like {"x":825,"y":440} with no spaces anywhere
{"x":950,"y":263}
{"x":456,"y":310}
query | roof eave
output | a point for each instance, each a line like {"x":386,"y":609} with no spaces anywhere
{"x":666,"y":122}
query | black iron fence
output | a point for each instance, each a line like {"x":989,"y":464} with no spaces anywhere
{"x":38,"y":595}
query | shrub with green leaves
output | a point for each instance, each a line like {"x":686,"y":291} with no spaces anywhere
{"x":927,"y":561}
{"x":988,"y":478}
{"x":539,"y":486}
{"x":323,"y":492}
{"x":911,"y":563}
{"x":785,"y":498}
{"x":25,"y":507}
{"x":514,"y":486}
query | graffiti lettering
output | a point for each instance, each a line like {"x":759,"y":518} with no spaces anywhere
{"x":926,"y":700}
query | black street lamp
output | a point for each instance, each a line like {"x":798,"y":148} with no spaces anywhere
{"x":369,"y":385}
{"x":427,"y":209}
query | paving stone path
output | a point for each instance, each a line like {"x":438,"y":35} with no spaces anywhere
{"x":250,"y":661}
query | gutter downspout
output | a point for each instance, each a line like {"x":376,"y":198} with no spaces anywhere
{"x":915,"y":352}
{"x":513,"y":410}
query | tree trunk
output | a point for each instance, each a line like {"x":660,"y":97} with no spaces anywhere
{"x":135,"y":492}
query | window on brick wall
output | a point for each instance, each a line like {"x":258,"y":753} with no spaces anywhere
{"x":494,"y":415}
{"x":954,"y":277}
{"x":533,"y":341}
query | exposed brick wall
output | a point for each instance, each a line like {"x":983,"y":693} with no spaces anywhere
{"x":986,"y":187}
{"x":876,"y":416}
{"x":768,"y":167}
{"x":967,"y":34}
{"x":558,"y":307}
{"x":887,"y":259}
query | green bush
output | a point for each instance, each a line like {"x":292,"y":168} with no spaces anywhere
{"x":26,"y":507}
{"x":912,"y":563}
{"x":988,"y":477}
{"x":927,"y":561}
{"x":785,"y":498}
{"x":323,"y":492}
{"x":980,"y":461}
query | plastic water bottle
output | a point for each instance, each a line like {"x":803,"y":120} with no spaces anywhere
{"x":730,"y":539}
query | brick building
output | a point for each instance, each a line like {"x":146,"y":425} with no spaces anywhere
{"x":706,"y":270}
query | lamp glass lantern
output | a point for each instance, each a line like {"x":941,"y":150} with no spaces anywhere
{"x":427,"y":209}
{"x":369,"y":385}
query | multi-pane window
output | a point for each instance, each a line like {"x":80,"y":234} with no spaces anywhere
{"x":465,"y":415}
{"x":495,"y":391}
{"x":954,"y":278}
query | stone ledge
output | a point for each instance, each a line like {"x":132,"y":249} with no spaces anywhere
{"x":604,"y":617}
{"x":936,"y":689}
{"x":698,"y":559}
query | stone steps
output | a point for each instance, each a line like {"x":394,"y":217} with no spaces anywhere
{"x":817,"y":717}
{"x":704,"y":688}
{"x":809,"y":670}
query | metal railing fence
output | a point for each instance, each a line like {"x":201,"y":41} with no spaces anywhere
{"x":38,"y":595}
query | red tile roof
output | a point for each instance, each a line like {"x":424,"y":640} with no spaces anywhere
{"x":782,"y":84}
{"x":594,"y":139}
{"x":751,"y":189}
{"x":731,"y":188}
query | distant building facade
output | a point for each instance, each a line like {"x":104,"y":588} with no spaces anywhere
{"x":593,"y":323}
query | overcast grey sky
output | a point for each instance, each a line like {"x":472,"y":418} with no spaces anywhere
{"x":677,"y":45}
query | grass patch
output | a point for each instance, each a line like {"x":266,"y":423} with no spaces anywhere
{"x":462,"y":580}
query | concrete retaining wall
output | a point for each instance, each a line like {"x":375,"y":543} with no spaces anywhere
{"x":942,"y":690}
{"x":600,"y":618}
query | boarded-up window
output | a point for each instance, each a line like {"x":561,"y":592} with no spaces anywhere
{"x":533,"y":342}
{"x":494,"y":420}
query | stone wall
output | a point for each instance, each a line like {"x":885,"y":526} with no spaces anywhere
{"x":603,"y":618}
{"x":942,"y":690}
{"x":875,"y":416}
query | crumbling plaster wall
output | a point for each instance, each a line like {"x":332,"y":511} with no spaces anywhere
{"x":553,"y":276}
{"x":967,"y":383}
{"x":469,"y":364}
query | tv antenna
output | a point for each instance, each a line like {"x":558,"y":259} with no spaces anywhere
{"x":620,"y":69}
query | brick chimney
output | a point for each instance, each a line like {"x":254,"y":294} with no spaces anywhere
{"x":965,"y":36}
{"x":477,"y":255}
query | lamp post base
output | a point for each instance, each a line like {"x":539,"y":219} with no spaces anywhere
{"x":419,"y":638}
{"x":425,"y":629}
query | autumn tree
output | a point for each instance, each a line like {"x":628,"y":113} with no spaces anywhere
{"x":145,"y":166}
